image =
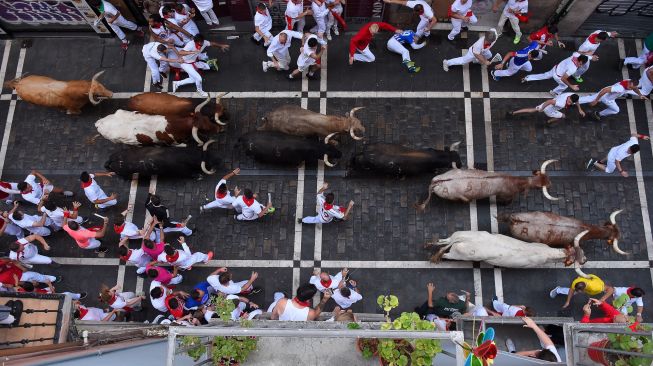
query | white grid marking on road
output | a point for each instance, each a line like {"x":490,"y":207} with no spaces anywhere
{"x":10,"y":113}
{"x":5,"y":60}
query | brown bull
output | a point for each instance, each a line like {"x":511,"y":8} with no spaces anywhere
{"x":557,"y":231}
{"x":293,"y":120}
{"x":470,"y":184}
{"x":69,"y":95}
{"x":170,"y":105}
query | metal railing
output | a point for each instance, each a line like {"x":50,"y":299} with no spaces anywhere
{"x":579,"y":339}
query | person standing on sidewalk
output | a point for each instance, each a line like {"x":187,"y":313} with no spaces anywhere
{"x":513,"y":10}
{"x":591,"y":285}
{"x":461,"y":15}
{"x":616,"y":155}
{"x":327,"y":211}
{"x":359,"y":49}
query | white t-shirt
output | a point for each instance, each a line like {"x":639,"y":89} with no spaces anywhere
{"x":190,"y":26}
{"x":248,"y":212}
{"x":139,"y":258}
{"x":13,"y":189}
{"x":319,"y":11}
{"x":293,"y":10}
{"x":183,"y":256}
{"x":460,"y":8}
{"x":159,"y":303}
{"x":566,"y":66}
{"x":29,"y":250}
{"x":130,"y":231}
{"x":37,"y":191}
{"x":109,"y":9}
{"x":26,"y":222}
{"x":190,"y":46}
{"x":588,"y":46}
{"x":480,"y":45}
{"x":561,"y":100}
{"x":620,"y":152}
{"x":150,"y":51}
{"x":306,"y":52}
{"x":328,"y":212}
{"x":617,"y":90}
{"x":335,"y":280}
{"x":230,"y":288}
{"x":93,"y":192}
{"x":427,"y":15}
{"x":554,"y":350}
{"x":276,"y":47}
{"x":263,"y":21}
{"x":228,"y":199}
{"x":514,"y":5}
{"x":56,"y":216}
{"x":94,"y":314}
{"x":346,"y":302}
{"x":618,"y":291}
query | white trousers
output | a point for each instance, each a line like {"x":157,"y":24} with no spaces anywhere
{"x":37,"y":259}
{"x":197,"y":257}
{"x":40,"y":230}
{"x":176,"y":280}
{"x":611,"y":106}
{"x":265,"y":31}
{"x":469,"y":57}
{"x":183,"y":229}
{"x":396,"y":47}
{"x":551,"y":74}
{"x":504,"y":309}
{"x":514,"y":23}
{"x":638,"y":61}
{"x":284,"y":64}
{"x":513,"y":69}
{"x":645,"y":86}
{"x":583,"y":68}
{"x":35,"y":276}
{"x":209,"y":17}
{"x":313,"y":220}
{"x":121,"y":22}
{"x":458,"y":23}
{"x":562,"y":291}
{"x":8,"y":320}
{"x":109,"y":203}
{"x":93,"y":243}
{"x":320,"y":26}
{"x":331,"y":20}
{"x":365,"y":55}
{"x":422,"y":28}
{"x":193,"y":75}
{"x":300,"y":22}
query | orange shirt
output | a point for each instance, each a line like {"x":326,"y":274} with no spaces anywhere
{"x":80,"y":235}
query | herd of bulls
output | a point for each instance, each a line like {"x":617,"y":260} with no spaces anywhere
{"x":289,"y":135}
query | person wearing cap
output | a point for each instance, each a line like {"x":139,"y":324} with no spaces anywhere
{"x":327,"y":211}
{"x":591,"y":285}
{"x":359,"y":49}
{"x":513,"y":10}
{"x":616,"y":155}
{"x":479,"y":52}
{"x":427,"y":17}
{"x":635,"y":296}
{"x":608,"y":96}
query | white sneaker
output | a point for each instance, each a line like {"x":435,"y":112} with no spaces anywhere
{"x":202,"y":93}
{"x":335,"y":30}
{"x":510,"y":345}
{"x":554,"y":293}
{"x":265,"y":66}
{"x":175,"y":85}
{"x":329,"y":37}
{"x":445,"y":66}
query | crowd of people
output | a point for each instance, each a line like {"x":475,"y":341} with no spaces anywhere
{"x":164,"y":255}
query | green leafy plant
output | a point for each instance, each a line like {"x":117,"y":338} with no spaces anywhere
{"x":631,"y":343}
{"x":369,"y":347}
{"x":196,"y":348}
{"x":387,"y":303}
{"x":353,"y":325}
{"x":233,"y":350}
{"x":223,"y":307}
{"x":620,"y":303}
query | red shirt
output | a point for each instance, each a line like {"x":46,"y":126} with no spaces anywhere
{"x":7,"y":272}
{"x":608,"y":311}
{"x":363,"y":38}
{"x":541,"y":34}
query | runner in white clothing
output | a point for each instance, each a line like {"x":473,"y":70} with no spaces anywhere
{"x":94,"y":192}
{"x":552,"y":107}
{"x":296,"y":15}
{"x":165,"y":32}
{"x":128,"y":230}
{"x":116,"y":21}
{"x":183,"y":259}
{"x":168,"y":14}
{"x":31,"y":223}
{"x":262,"y":25}
{"x":561,"y":73}
{"x":248,"y":208}
{"x":8,"y":191}
{"x":323,"y":281}
{"x":616,"y":155}
{"x":222,"y":196}
{"x":512,"y":11}
{"x":221,"y":281}
{"x":57,"y":214}
{"x":8,"y":227}
{"x":24,"y":251}
{"x":608,"y":96}
{"x":347,"y":294}
{"x":461,"y":15}
{"x":137,"y":257}
{"x":33,"y":191}
{"x":193,"y":58}
{"x":635,"y":297}
{"x":278,"y":50}
{"x":158,"y":293}
{"x":308,"y":57}
{"x":335,"y":9}
{"x":326,"y":210}
{"x":645,"y":85}
{"x":184,"y":15}
{"x":206,"y":9}
{"x":94,"y":314}
{"x":320,"y":14}
{"x":427,"y":17}
{"x":244,"y":308}
{"x":156,"y":56}
{"x":588,"y":48}
{"x":479,"y":52}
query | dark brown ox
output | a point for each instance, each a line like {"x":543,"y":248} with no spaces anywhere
{"x":293,"y":120}
{"x":70,"y":95}
{"x":470,"y":184}
{"x":558,"y":231}
{"x":170,"y":105}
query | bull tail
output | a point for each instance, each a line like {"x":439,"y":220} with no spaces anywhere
{"x":442,"y":250}
{"x":91,"y":140}
{"x":11,"y":84}
{"x":422,"y":206}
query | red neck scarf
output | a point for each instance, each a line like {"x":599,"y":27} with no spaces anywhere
{"x":248,"y":201}
{"x":326,"y":284}
{"x":113,"y":299}
{"x":126,"y":257}
{"x":82,"y":312}
{"x":625,"y":83}
{"x":198,"y":45}
{"x":486,"y":45}
{"x":220,"y":194}
{"x":327,"y":206}
{"x":302,"y":303}
{"x":592,"y":38}
{"x":119,"y":229}
{"x":172,"y":258}
{"x":87,"y":184}
{"x":628,"y":292}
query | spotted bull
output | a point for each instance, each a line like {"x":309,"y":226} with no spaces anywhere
{"x":293,"y":120}
{"x":181,"y":162}
{"x":470,"y":184}
{"x":558,"y":231}
{"x":133,"y":128}
{"x":279,"y":148}
{"x":170,"y":105}
{"x":70,"y":95}
{"x":398,"y":160}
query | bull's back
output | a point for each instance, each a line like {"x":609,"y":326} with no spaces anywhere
{"x":277,"y":148}
{"x":177,"y":162}
{"x":160,"y":103}
{"x":297,"y":121}
{"x":49,"y":92}
{"x":469,"y":183}
{"x":125,"y":127}
{"x":396,"y":160}
{"x":545,"y":227}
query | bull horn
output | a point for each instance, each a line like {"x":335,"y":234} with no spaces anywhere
{"x":90,"y":91}
{"x":578,"y":237}
{"x":454,"y":146}
{"x":613,"y":216}
{"x":329,"y":136}
{"x":580,"y":272}
{"x":546,"y":194}
{"x":206,"y":171}
{"x":218,"y":101}
{"x":326,"y":161}
{"x":201,"y":105}
{"x":206,"y":145}
{"x":544,"y":165}
{"x":353,"y":135}
{"x":353,"y":111}
{"x":195,"y":137}
{"x":615,"y":247}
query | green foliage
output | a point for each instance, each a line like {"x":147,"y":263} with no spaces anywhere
{"x":620,"y":301}
{"x":632,"y":343}
{"x":196,"y":348}
{"x":223,"y":307}
{"x":369,"y":347}
{"x":420,"y":352}
{"x":353,"y":325}
{"x":231,"y":350}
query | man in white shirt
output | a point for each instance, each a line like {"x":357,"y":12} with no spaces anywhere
{"x":296,"y":15}
{"x":8,"y":191}
{"x":223,"y":198}
{"x":128,"y":230}
{"x":94,"y":314}
{"x":548,"y":352}
{"x":116,"y":21}
{"x":184,"y":15}
{"x":461,"y":15}
{"x":278,"y":50}
{"x":334,"y":17}
{"x":427,"y":18}
{"x":158,"y":293}
{"x":262,"y":25}
{"x":244,"y":308}
{"x":221,"y":281}
{"x":480,"y":52}
{"x":248,"y":208}
{"x":320,"y":14}
{"x":31,"y":223}
{"x":32,"y":191}
{"x":616,"y":155}
{"x":183,"y":259}
{"x":552,"y":107}
{"x":56,"y":214}
{"x":347,"y":294}
{"x":24,"y":251}
{"x":156,"y":56}
{"x":608,"y":96}
{"x":94,"y":192}
{"x":635,"y":297}
{"x":511,"y":11}
{"x":193,"y":57}
{"x":206,"y":9}
{"x":588,"y":48}
{"x":561,"y":73}
{"x":308,"y":57}
{"x":326,"y":210}
{"x":323,"y":281}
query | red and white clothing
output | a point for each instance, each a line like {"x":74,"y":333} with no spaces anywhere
{"x":320,"y":13}
{"x":56,"y":217}
{"x":553,"y":110}
{"x":131,"y":231}
{"x":120,"y":22}
{"x":480,"y":47}
{"x":224,"y":200}
{"x":508,"y":13}
{"x":27,"y":223}
{"x":239,"y":311}
{"x":190,"y":25}
{"x":645,"y":83}
{"x":38,"y":189}
{"x":332,"y":283}
{"x":608,"y":99}
{"x":29,"y":254}
{"x":507,"y":310}
{"x":609,"y":313}
{"x":138,"y":258}
{"x":264,"y":24}
{"x":632,"y":300}
{"x":8,"y":190}
{"x":346,"y":302}
{"x":292,"y":15}
{"x":424,"y":18}
{"x":248,"y":209}
{"x":332,"y":24}
{"x":121,"y":299}
{"x":295,"y":313}
{"x":463,"y":10}
{"x":280,"y":52}
{"x":567,"y":67}
{"x":167,"y":35}
{"x":11,"y":228}
{"x":94,"y":192}
{"x":93,"y":314}
{"x":164,"y":276}
{"x":206,"y":9}
{"x":193,"y":62}
{"x":183,"y":259}
{"x":619,"y":153}
{"x":153,"y":59}
{"x":359,"y":44}
{"x":542,"y":35}
{"x":159,"y":303}
{"x":154,"y":252}
{"x":588,"y":48}
{"x":326,"y":212}
{"x":231,"y":288}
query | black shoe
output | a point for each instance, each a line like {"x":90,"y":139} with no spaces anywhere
{"x":590,"y":164}
{"x":58,"y":279}
{"x":256,"y":290}
{"x":255,"y":41}
{"x":165,"y":76}
{"x":464,"y":29}
{"x":55,"y":264}
{"x":101,"y":250}
{"x":596,"y":116}
{"x":82,"y":295}
{"x":157,"y":86}
{"x":299,"y":221}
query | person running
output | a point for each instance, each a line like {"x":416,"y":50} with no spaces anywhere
{"x":195,"y":59}
{"x":86,"y":239}
{"x":608,"y":96}
{"x":427,"y":17}
{"x":398,"y":43}
{"x":552,"y":108}
{"x":327,"y":211}
{"x":519,"y":60}
{"x":136,"y":257}
{"x":334,"y":17}
{"x":479,"y":52}
{"x":165,"y":32}
{"x":513,"y":10}
{"x":359,"y":49}
{"x":548,"y":352}
{"x":223,"y":198}
{"x":296,"y":15}
{"x":645,"y":85}
{"x":94,"y":192}
{"x":248,"y":208}
{"x":309,"y":57}
{"x":588,"y":48}
{"x":616,"y":155}
{"x":156,"y":56}
{"x":461,"y":15}
{"x":323,"y":281}
{"x":56,"y":214}
{"x":116,"y":21}
{"x":299,"y":308}
{"x":24,"y":251}
{"x":278,"y":50}
{"x":32,"y":191}
{"x":643,"y":58}
{"x":561,"y":73}
{"x":183,"y":259}
{"x":544,"y":37}
{"x":591,"y":285}
{"x":206,"y":9}
{"x":262,"y":25}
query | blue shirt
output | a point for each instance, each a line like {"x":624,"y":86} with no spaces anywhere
{"x":407,"y":37}
{"x":521,"y":57}
{"x":191,"y":303}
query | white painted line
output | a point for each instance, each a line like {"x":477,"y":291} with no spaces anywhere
{"x":478,"y":287}
{"x":235,"y":95}
{"x":395,"y":94}
{"x":121,"y":277}
{"x":10,"y":113}
{"x":318,"y":228}
{"x":299,"y":212}
{"x":77,"y":261}
{"x":498,"y":284}
{"x":5,"y":60}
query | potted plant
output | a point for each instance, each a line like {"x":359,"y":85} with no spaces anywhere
{"x":624,"y":342}
{"x":233,"y":350}
{"x":194,"y":347}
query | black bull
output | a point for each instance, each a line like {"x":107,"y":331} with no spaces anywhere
{"x":278,"y":148}
{"x":398,"y":160}
{"x":164,"y":161}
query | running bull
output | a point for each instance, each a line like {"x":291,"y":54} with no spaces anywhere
{"x":182,"y":162}
{"x":133,"y":128}
{"x":558,"y":231}
{"x":398,"y":160}
{"x":504,"y":251}
{"x":294,"y":120}
{"x":279,"y":148}
{"x":170,"y":105}
{"x":470,"y":184}
{"x":70,"y":95}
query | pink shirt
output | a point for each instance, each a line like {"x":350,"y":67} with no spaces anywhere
{"x":80,"y":235}
{"x":154,"y":253}
{"x":164,"y":275}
